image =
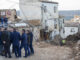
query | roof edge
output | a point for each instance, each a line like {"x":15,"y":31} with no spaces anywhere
{"x":50,"y":2}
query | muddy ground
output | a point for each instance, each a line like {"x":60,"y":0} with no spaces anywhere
{"x":46,"y":51}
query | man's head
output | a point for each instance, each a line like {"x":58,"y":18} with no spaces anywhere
{"x":23,"y":31}
{"x":10,"y":29}
{"x":5,"y":29}
{"x":14,"y":29}
{"x":27,"y":31}
{"x":2,"y":29}
{"x":4,"y":16}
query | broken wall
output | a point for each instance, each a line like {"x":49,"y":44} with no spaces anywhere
{"x":9,"y":13}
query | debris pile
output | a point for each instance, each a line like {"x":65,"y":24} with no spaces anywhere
{"x":57,"y":40}
{"x":73,"y":41}
{"x":73,"y":38}
{"x":76,"y":51}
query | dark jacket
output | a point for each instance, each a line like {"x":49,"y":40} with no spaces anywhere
{"x":16,"y":38}
{"x":2,"y":19}
{"x":11,"y":36}
{"x":30,"y":38}
{"x":0,"y":38}
{"x":6,"y":20}
{"x":24,"y":39}
{"x":5,"y":36}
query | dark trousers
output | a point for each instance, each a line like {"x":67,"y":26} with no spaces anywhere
{"x":31,"y":49}
{"x":12,"y":49}
{"x":1,"y":49}
{"x":16,"y":50}
{"x":26,"y":48}
{"x":1,"y":22}
{"x":7,"y":50}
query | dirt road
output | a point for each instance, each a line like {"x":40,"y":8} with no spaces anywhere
{"x":44,"y":51}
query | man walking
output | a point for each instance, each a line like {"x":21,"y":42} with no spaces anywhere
{"x":16,"y":42}
{"x":5,"y":37}
{"x":30,"y":41}
{"x":11,"y":37}
{"x":24,"y":43}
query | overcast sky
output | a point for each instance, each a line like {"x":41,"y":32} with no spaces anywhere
{"x":9,"y":4}
{"x":63,"y":4}
{"x":69,"y":4}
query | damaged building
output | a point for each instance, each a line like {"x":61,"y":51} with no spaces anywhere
{"x":43,"y":11}
{"x":9,"y":13}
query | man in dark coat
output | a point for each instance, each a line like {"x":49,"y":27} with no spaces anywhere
{"x":0,"y":37}
{"x":24,"y":43}
{"x":2,"y":20}
{"x":30,"y":41}
{"x":16,"y":42}
{"x":6,"y":21}
{"x":11,"y":37}
{"x":5,"y":37}
{"x":1,"y":45}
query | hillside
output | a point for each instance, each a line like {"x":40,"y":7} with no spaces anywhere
{"x":69,"y":14}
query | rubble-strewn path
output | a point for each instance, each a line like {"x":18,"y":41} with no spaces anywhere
{"x":44,"y":51}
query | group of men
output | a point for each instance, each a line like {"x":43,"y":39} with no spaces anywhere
{"x":12,"y":36}
{"x":4,"y":20}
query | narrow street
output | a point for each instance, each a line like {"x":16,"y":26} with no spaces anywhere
{"x":44,"y":51}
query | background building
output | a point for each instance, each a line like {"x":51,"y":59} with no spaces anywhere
{"x":44,"y":11}
{"x":9,"y":13}
{"x":71,"y":28}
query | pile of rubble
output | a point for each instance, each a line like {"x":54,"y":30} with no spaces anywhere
{"x":76,"y":51}
{"x":73,"y":38}
{"x":57,"y":40}
{"x":73,"y":41}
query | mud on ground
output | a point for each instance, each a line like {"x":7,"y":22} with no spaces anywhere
{"x":46,"y":51}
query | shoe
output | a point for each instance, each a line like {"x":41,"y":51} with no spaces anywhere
{"x":6,"y":56}
{"x":10,"y":57}
{"x":32,"y":53}
{"x":25,"y":56}
{"x":28,"y":55}
{"x":19,"y":56}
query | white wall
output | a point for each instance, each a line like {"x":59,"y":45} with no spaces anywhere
{"x":30,"y":11}
{"x":49,"y":18}
{"x":50,"y":11}
{"x":68,"y":31}
{"x":61,"y":27}
{"x":49,"y":14}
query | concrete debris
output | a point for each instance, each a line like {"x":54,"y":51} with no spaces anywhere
{"x":73,"y":38}
{"x":76,"y":51}
{"x":57,"y":40}
{"x":73,"y":42}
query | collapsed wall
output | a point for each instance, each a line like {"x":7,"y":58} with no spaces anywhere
{"x":9,"y":13}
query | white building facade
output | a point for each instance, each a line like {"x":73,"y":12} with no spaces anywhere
{"x":71,"y":29}
{"x":45,"y":11}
